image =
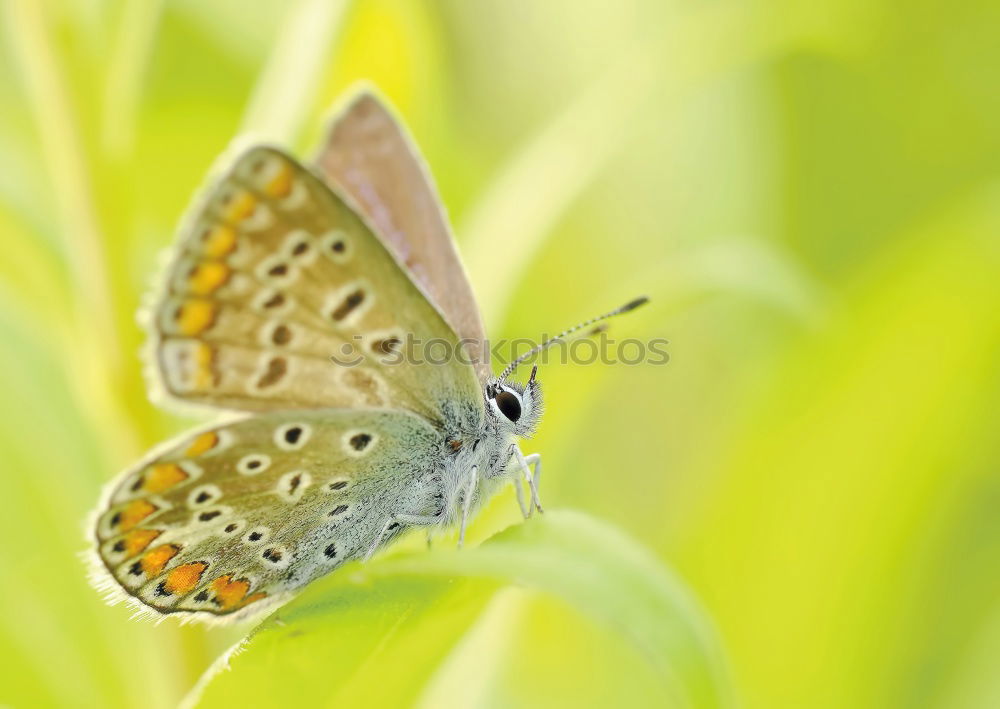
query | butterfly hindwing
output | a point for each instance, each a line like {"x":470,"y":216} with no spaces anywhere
{"x":242,"y":514}
{"x":275,"y":275}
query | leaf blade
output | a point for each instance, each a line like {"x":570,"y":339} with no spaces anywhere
{"x":400,"y":616}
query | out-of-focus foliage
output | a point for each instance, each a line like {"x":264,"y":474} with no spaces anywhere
{"x":808,"y":191}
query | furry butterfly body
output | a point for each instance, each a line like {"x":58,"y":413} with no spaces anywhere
{"x":277,"y":270}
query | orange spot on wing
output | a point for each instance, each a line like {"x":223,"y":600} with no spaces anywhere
{"x":153,"y":561}
{"x":253,"y":598}
{"x":195,"y":316}
{"x":228,"y":593}
{"x":163,"y":476}
{"x":281,"y":184}
{"x":207,"y":277}
{"x":218,"y":241}
{"x":202,"y":444}
{"x":137,"y":540}
{"x":185,"y":577}
{"x":135,"y":512}
{"x":239,"y":207}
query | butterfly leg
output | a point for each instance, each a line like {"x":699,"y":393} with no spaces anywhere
{"x":467,"y":502}
{"x":397,"y":519}
{"x":516,"y":480}
{"x":530,"y":476}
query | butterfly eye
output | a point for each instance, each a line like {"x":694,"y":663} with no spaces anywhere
{"x":509,"y":405}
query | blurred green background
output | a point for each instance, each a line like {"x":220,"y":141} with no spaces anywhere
{"x":808,"y":191}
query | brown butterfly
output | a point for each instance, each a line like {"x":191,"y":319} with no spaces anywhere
{"x":297,"y":297}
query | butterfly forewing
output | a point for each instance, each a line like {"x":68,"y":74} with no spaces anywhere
{"x":275,"y":275}
{"x":369,"y":156}
{"x":245,"y":513}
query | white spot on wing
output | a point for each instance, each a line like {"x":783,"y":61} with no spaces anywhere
{"x":193,"y":470}
{"x":231,"y":529}
{"x":367,"y":387}
{"x":253,"y":464}
{"x":226,"y":439}
{"x":269,"y":336}
{"x":212,"y":515}
{"x":358,"y":442}
{"x":178,"y":362}
{"x":385,"y":346}
{"x":275,"y":557}
{"x":276,"y":270}
{"x":297,"y":197}
{"x":300,"y":247}
{"x":339,"y":297}
{"x":283,"y":435}
{"x":292,"y":486}
{"x":265,"y":302}
{"x":329,"y":553}
{"x":252,"y":538}
{"x":204,"y":495}
{"x":336,"y":245}
{"x":260,"y":218}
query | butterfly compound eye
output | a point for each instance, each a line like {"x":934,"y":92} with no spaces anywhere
{"x":509,"y":405}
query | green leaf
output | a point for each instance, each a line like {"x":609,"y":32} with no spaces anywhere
{"x":375,"y":634}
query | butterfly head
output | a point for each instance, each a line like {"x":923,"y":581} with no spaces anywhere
{"x":516,"y":407}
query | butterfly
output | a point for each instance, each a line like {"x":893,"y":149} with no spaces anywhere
{"x":290,"y":299}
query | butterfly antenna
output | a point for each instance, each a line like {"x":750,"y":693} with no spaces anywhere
{"x":631,"y":305}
